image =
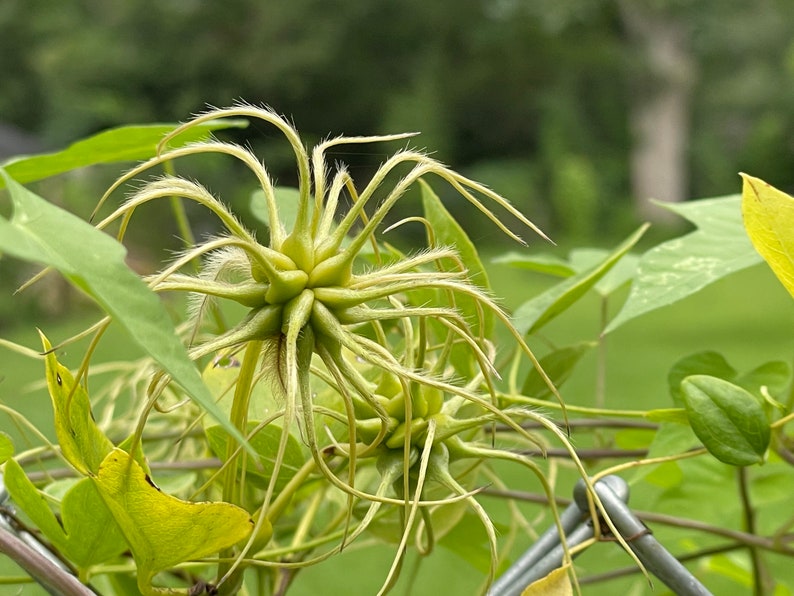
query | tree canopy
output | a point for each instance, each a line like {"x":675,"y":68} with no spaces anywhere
{"x":534,"y":97}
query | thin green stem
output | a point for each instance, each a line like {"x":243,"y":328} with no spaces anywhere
{"x":601,"y":366}
{"x":542,"y":403}
{"x":239,"y":418}
{"x":179,"y":213}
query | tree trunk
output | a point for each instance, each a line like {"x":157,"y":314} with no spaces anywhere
{"x":659,"y":105}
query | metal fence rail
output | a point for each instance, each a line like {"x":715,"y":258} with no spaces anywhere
{"x":547,"y":553}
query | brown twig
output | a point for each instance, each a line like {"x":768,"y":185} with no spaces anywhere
{"x":749,"y":525}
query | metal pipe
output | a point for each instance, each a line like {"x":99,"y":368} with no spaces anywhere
{"x":547,"y":553}
{"x":638,"y":536}
{"x":512,"y":581}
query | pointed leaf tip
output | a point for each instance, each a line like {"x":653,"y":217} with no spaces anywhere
{"x":769,"y":220}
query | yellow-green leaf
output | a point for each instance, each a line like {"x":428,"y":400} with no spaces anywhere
{"x":85,"y":533}
{"x":556,"y":583}
{"x":82,"y":443}
{"x":769,"y":220}
{"x":161,"y":530}
{"x":6,"y":447}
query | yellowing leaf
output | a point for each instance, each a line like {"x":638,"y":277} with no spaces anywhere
{"x":82,"y":443}
{"x":85,"y":533}
{"x":769,"y":219}
{"x":6,"y":447}
{"x":556,"y":583}
{"x":161,"y":530}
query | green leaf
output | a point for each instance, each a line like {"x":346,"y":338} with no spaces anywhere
{"x":265,"y":443}
{"x":220,"y":376}
{"x":540,"y":263}
{"x":6,"y":447}
{"x":468,"y":540}
{"x":94,"y":262}
{"x":730,"y":568}
{"x":769,"y":220}
{"x":579,"y":261}
{"x":558,"y":365}
{"x":534,"y":314}
{"x":700,"y":363}
{"x":287,"y":200}
{"x":680,"y":267}
{"x":774,"y":375}
{"x":94,"y":536}
{"x":161,"y":530}
{"x":121,"y":584}
{"x":30,"y":500}
{"x":672,"y":438}
{"x":86,"y":533}
{"x":616,"y":278}
{"x":447,"y":232}
{"x":730,"y":421}
{"x":125,"y":143}
{"x":772,"y":486}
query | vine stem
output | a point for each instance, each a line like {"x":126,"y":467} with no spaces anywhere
{"x":574,"y":423}
{"x":186,"y":234}
{"x":601,"y":366}
{"x":179,"y":213}
{"x":239,"y":418}
{"x":548,"y":404}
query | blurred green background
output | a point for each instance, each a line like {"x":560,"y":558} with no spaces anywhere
{"x":579,"y":111}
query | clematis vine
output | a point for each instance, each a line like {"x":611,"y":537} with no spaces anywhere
{"x":329,"y":304}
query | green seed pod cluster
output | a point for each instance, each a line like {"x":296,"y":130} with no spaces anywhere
{"x":399,"y":340}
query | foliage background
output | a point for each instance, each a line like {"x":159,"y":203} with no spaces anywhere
{"x":532,"y":96}
{"x":536,"y":97}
